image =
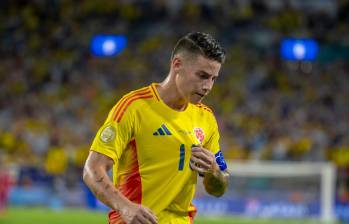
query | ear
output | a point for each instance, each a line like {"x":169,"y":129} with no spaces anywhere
{"x":176,"y":64}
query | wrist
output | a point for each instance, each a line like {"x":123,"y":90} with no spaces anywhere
{"x":121,"y":204}
{"x":215,"y":171}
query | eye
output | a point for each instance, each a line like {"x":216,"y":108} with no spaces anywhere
{"x":203,"y":75}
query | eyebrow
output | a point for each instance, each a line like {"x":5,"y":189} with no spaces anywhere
{"x":205,"y":73}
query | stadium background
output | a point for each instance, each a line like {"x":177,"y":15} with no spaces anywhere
{"x":54,"y":94}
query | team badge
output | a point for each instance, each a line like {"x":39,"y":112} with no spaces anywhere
{"x":108,"y":134}
{"x":199,"y":134}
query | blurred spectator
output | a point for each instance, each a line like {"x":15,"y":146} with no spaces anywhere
{"x":267,"y":109}
{"x":6,"y":182}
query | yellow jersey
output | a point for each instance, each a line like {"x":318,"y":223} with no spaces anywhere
{"x":150,"y":144}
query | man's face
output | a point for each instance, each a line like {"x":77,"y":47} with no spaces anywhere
{"x":195,"y":77}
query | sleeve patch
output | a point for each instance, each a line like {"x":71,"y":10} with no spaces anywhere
{"x":108,"y":134}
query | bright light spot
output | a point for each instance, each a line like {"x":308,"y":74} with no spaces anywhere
{"x":109,"y":47}
{"x":299,"y":51}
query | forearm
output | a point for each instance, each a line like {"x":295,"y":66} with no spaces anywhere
{"x":96,"y":177}
{"x":216,"y":182}
{"x":100,"y":184}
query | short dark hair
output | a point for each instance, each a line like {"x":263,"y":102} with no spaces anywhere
{"x":200,"y":43}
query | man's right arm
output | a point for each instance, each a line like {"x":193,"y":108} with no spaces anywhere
{"x":96,"y":178}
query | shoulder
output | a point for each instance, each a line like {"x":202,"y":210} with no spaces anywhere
{"x":207,"y":118}
{"x":204,"y":109}
{"x":205,"y":112}
{"x":133,"y":101}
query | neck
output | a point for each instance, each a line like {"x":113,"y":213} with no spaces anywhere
{"x":170,"y":95}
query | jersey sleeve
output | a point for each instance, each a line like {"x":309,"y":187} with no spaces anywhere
{"x":213,"y":144}
{"x":113,"y":137}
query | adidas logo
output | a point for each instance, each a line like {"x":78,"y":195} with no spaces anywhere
{"x":163,"y":130}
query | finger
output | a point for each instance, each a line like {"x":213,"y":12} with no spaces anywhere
{"x":202,"y":150}
{"x":141,"y":219}
{"x":203,"y":157}
{"x":196,"y":149}
{"x":150,"y":216}
{"x":152,"y":219}
{"x":197,"y":168}
{"x":200,"y":163}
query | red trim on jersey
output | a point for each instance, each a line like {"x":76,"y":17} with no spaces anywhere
{"x":130,"y":185}
{"x":115,"y":218}
{"x":131,"y":101}
{"x":155,"y":93}
{"x":191,"y":217}
{"x":191,"y":220}
{"x":118,"y":105}
{"x":124,"y":98}
{"x":203,"y":106}
{"x":192,"y":214}
{"x":145,"y":89}
{"x":121,"y":106}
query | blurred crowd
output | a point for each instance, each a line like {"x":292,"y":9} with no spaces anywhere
{"x":54,"y":94}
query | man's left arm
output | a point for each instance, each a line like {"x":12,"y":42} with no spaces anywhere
{"x":216,"y":176}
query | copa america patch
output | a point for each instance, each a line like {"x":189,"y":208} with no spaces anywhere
{"x":108,"y":134}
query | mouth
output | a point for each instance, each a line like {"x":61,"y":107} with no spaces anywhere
{"x":199,"y":94}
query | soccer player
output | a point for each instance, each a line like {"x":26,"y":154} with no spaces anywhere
{"x":158,"y":139}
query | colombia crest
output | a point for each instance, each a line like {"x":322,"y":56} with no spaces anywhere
{"x":199,"y":134}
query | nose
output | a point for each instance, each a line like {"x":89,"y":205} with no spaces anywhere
{"x":207,"y":85}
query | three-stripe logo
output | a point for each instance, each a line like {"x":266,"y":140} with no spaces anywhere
{"x":163,"y":130}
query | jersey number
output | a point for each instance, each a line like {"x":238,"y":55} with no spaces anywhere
{"x":181,"y":157}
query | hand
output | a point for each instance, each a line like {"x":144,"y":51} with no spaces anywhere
{"x":203,"y":160}
{"x":138,"y":214}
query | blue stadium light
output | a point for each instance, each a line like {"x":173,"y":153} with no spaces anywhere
{"x":108,"y":45}
{"x":299,"y":49}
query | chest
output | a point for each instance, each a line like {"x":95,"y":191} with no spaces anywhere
{"x":167,"y":140}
